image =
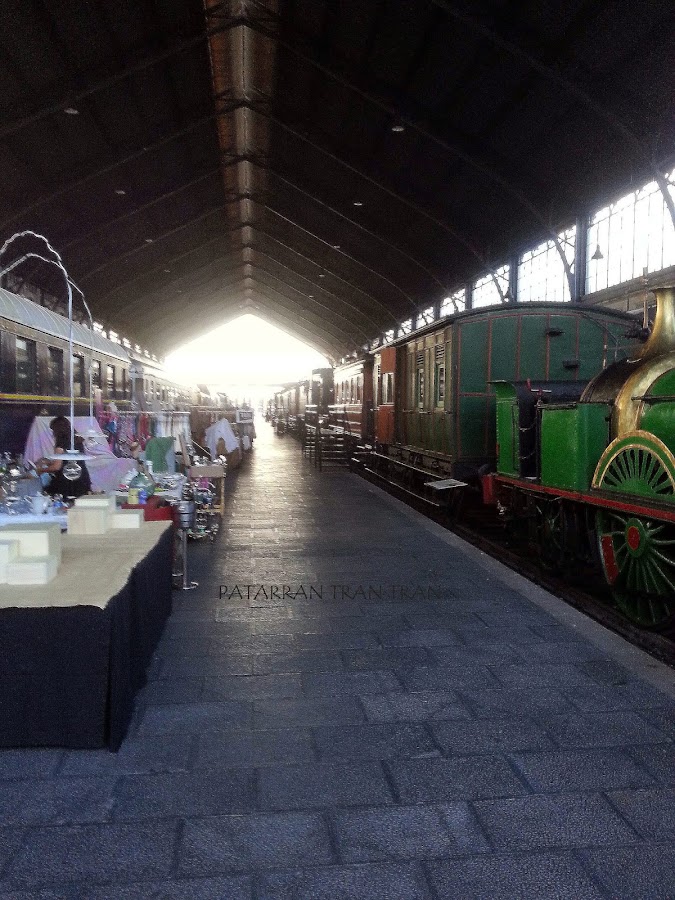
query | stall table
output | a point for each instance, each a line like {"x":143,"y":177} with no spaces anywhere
{"x":73,"y":653}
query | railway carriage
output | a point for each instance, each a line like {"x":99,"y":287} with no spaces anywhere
{"x":34,"y":370}
{"x":435,"y":397}
{"x":353,"y":407}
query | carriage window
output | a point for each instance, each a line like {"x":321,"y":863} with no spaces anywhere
{"x":125,"y":384}
{"x":388,"y":387}
{"x":440,"y":385}
{"x":26,"y":368}
{"x":359,"y":388}
{"x":439,"y":372}
{"x":110,"y":380}
{"x":96,"y":373}
{"x":420,"y":387}
{"x":55,"y":372}
{"x":78,"y":376}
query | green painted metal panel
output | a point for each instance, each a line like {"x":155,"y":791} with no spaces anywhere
{"x":473,"y":359}
{"x":532,"y":347}
{"x":592,"y":349}
{"x":573,"y":438}
{"x":504,"y":341}
{"x":562,"y":348}
{"x":507,"y":429}
{"x":471,"y":430}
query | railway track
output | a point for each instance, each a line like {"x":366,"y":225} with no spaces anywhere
{"x":593,"y":599}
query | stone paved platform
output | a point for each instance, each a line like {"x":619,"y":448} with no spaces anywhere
{"x":405,"y":720}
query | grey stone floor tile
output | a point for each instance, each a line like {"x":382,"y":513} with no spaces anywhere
{"x":222,"y":888}
{"x":651,"y":812}
{"x":544,"y":876}
{"x":212,"y":665}
{"x":342,"y":640}
{"x":247,"y":749}
{"x":663,"y":719}
{"x":581,"y":770}
{"x":359,"y":882}
{"x":398,"y":833}
{"x":645,"y":872}
{"x":66,"y":893}
{"x":500,"y":703}
{"x":183,"y":794}
{"x":420,"y":706}
{"x":534,"y":675}
{"x":488,"y":736}
{"x":459,"y":778}
{"x":171,"y":690}
{"x":395,"y":658}
{"x":633,"y":694}
{"x":611,"y":729}
{"x":446,"y":678}
{"x":56,"y":801}
{"x":252,"y":687}
{"x":98,"y":853}
{"x":237,"y":844}
{"x":563,"y":821}
{"x":29,"y":763}
{"x":137,"y":755}
{"x":658,"y":760}
{"x":324,"y":785}
{"x":194,"y":717}
{"x":485,"y":654}
{"x":306,"y":711}
{"x":10,"y":841}
{"x":301,"y":661}
{"x":386,"y":741}
{"x":330,"y":685}
{"x":422,"y":637}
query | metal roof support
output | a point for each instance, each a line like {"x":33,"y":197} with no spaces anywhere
{"x":571,"y":87}
{"x":460,"y":153}
{"x":355,"y":224}
{"x":320,"y":286}
{"x":449,"y":229}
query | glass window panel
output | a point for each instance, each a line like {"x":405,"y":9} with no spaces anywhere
{"x":78,"y":376}
{"x":541,"y":273}
{"x":405,"y":327}
{"x":55,"y":372}
{"x":454,"y":303}
{"x":485,"y":291}
{"x":26,"y":369}
{"x":634,"y":235}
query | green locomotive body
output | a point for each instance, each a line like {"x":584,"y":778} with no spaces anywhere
{"x":603,"y":477}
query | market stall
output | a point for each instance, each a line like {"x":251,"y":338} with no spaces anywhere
{"x":73,"y":653}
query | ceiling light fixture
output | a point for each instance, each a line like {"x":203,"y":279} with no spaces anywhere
{"x":358,"y":203}
{"x":148,"y":240}
{"x":598,"y":253}
{"x":321,"y":275}
{"x":336,"y":246}
{"x":71,"y":111}
{"x":120,"y":192}
{"x":398,"y":128}
{"x":166,"y":270}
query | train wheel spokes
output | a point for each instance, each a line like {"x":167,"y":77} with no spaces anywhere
{"x":638,"y":559}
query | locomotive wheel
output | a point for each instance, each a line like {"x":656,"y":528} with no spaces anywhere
{"x":638,"y":554}
{"x":551,"y":534}
{"x":637,"y":464}
{"x":638,"y":559}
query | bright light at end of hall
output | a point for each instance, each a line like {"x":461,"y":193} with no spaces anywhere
{"x":246,"y":351}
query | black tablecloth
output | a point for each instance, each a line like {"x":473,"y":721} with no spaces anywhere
{"x":68,"y":675}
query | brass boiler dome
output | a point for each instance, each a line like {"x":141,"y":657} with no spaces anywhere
{"x":626,"y":382}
